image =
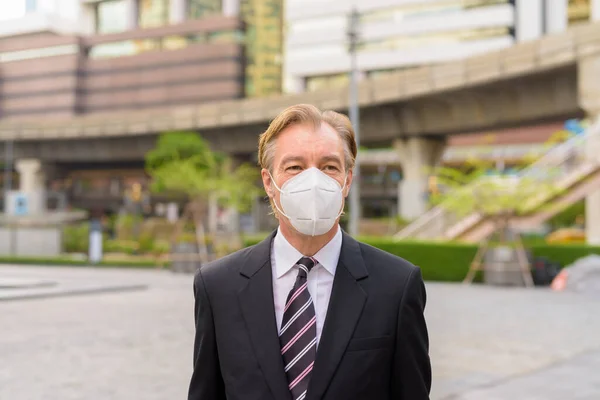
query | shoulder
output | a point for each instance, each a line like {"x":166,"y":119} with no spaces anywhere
{"x":386,"y":265}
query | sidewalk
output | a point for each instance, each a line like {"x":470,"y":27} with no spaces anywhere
{"x":486,"y":343}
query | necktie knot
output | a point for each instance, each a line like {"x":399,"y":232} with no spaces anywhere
{"x":305,"y":264}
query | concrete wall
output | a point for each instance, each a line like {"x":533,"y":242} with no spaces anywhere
{"x":32,"y":242}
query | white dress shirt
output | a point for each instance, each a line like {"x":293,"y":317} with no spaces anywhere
{"x":284,"y":257}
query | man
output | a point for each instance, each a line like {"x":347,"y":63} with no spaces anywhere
{"x":309,"y":313}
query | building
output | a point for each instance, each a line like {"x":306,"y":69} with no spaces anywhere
{"x":400,"y":34}
{"x":262,"y":39}
{"x":405,"y":34}
{"x":130,"y":55}
{"x":28,"y":17}
{"x":63,"y":58}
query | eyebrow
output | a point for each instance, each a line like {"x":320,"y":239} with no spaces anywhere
{"x":324,"y":159}
{"x":289,"y":159}
{"x":331,"y":158}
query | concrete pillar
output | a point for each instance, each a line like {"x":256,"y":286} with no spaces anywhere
{"x":293,"y":84}
{"x":595,"y":10}
{"x":529,"y":19}
{"x":132,"y":14}
{"x":31,"y":176}
{"x":589,"y":100}
{"x":592,"y":201}
{"x":418,"y":157}
{"x":231,"y":8}
{"x":87,"y":19}
{"x":177,"y":11}
{"x":556,"y":17}
{"x":32,"y":184}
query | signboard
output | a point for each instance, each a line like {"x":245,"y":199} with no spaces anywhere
{"x":20,"y":204}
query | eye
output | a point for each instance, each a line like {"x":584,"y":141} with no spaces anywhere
{"x":332,"y":168}
{"x":293,"y":168}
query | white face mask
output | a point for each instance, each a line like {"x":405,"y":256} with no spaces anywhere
{"x":312,"y":201}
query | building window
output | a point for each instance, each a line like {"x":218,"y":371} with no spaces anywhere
{"x":420,"y":9}
{"x":264,"y":44}
{"x":458,"y":36}
{"x":579,"y":11}
{"x":153,"y":13}
{"x":111,"y":16}
{"x":30,"y":5}
{"x":326,"y":82}
{"x":203,"y":8}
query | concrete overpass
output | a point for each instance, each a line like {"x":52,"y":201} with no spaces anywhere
{"x":412,"y":110}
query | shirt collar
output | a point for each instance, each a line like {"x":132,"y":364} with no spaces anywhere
{"x":286,"y":255}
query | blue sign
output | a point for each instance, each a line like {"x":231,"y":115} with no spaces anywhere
{"x":576,"y":126}
{"x":21,"y":204}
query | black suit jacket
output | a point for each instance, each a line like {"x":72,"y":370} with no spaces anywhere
{"x":374,"y":344}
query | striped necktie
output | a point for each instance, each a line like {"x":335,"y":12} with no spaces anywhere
{"x":298,"y":334}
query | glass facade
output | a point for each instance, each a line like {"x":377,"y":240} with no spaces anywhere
{"x":264,"y":46}
{"x":263,"y":37}
{"x":111,"y":16}
{"x":204,"y":8}
{"x":30,"y":5}
{"x":398,"y":13}
{"x":326,"y":81}
{"x":153,"y":13}
{"x":459,"y":36}
{"x":579,"y":11}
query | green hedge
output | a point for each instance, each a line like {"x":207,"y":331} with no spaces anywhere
{"x":439,"y":261}
{"x":564,"y":254}
{"x":449,"y":261}
{"x":66,"y":261}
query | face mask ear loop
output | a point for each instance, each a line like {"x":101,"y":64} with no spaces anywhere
{"x":342,"y":190}
{"x":275,"y":202}
{"x":273,"y":181}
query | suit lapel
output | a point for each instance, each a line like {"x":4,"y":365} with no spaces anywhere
{"x":257,"y":305}
{"x":344,"y":310}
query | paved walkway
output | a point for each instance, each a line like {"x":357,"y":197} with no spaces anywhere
{"x":486,"y":343}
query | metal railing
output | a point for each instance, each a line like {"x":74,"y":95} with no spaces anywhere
{"x":563,"y":162}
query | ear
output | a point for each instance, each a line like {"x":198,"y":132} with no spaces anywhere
{"x":348,"y":182}
{"x":267,"y":183}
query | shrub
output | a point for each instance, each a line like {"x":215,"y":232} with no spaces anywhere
{"x":146,"y":243}
{"x":76,"y":238}
{"x":450,"y":261}
{"x":161,"y":247}
{"x":567,"y":217}
{"x":64,"y":261}
{"x":121,"y":246}
{"x":564,"y":254}
{"x":439,"y":261}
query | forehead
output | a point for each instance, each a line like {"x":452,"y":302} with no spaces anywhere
{"x":302,"y":138}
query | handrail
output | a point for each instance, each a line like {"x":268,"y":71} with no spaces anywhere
{"x":556,"y":156}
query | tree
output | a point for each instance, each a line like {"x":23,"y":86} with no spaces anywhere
{"x":480,"y":189}
{"x":183,"y":162}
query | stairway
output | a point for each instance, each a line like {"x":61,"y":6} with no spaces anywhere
{"x":575,"y":174}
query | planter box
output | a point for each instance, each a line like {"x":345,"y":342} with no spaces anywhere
{"x":501,"y":267}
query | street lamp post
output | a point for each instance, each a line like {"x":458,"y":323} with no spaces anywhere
{"x":353,"y":111}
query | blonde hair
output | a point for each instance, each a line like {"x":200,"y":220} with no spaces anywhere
{"x":306,"y":114}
